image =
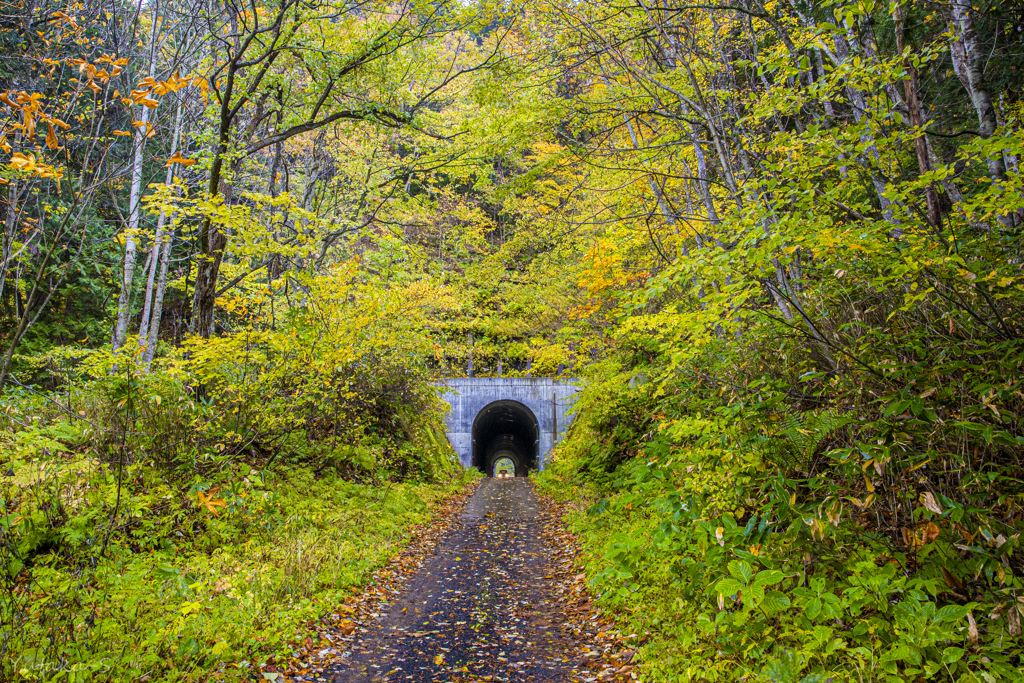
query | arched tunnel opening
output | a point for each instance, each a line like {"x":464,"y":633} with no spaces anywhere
{"x":505,"y":429}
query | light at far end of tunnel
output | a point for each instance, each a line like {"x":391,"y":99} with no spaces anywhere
{"x":505,"y":431}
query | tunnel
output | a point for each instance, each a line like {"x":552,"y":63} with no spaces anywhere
{"x":505,"y":429}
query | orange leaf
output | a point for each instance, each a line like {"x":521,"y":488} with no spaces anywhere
{"x":209,"y":502}
{"x":178,"y":159}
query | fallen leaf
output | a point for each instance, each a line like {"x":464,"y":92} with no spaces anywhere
{"x":929,"y":502}
{"x":951,"y":579}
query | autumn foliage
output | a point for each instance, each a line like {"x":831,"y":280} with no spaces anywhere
{"x":778,"y":244}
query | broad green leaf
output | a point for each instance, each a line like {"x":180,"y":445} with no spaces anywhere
{"x":741,"y":571}
{"x":728,"y":587}
{"x":951,"y":613}
{"x":768,"y":577}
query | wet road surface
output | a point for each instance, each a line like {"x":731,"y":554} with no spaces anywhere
{"x":479,"y":610}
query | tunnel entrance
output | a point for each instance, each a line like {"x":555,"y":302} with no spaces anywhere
{"x":505,"y":430}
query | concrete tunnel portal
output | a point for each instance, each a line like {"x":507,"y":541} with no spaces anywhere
{"x":521,"y":417}
{"x":506,"y":429}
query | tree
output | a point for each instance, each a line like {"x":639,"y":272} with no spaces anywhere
{"x":330,"y":80}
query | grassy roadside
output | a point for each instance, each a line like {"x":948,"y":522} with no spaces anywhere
{"x":209,"y":583}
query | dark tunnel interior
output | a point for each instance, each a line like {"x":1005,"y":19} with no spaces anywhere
{"x":505,"y":429}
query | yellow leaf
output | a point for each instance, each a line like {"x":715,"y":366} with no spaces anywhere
{"x":19,"y":160}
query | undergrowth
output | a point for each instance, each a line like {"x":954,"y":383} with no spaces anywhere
{"x":746,"y":540}
{"x":190,"y":522}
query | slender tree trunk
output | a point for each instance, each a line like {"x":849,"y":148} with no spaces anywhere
{"x":134,"y":206}
{"x":968,"y":64}
{"x":153,"y":332}
{"x":968,"y":57}
{"x":915,"y":111}
{"x":149,"y":317}
{"x":150,"y":270}
{"x":11,"y":229}
{"x":859,"y":105}
{"x":211,"y":240}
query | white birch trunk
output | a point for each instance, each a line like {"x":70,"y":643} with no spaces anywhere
{"x":134,"y":210}
{"x":153,"y":331}
{"x":158,"y":242}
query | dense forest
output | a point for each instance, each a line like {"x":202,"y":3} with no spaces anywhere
{"x":779,"y":245}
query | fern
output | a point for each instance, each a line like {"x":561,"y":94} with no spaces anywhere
{"x":807,"y":431}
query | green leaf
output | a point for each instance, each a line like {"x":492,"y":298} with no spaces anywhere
{"x":952,"y":654}
{"x":165,"y":571}
{"x":729,"y":587}
{"x":741,"y":571}
{"x":14,"y":567}
{"x":951,"y":613}
{"x":775,"y":601}
{"x":768,"y":577}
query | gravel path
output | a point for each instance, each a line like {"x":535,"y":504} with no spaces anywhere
{"x":480,"y":607}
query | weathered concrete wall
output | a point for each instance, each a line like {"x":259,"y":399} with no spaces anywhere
{"x":548,"y":398}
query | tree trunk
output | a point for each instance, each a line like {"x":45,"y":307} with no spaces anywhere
{"x":153,"y":331}
{"x":915,"y":111}
{"x":149,"y":316}
{"x":134,"y":207}
{"x":859,"y":106}
{"x":968,"y":61}
{"x":211,"y":241}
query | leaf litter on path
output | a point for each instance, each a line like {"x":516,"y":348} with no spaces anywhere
{"x":490,"y":591}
